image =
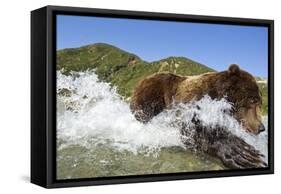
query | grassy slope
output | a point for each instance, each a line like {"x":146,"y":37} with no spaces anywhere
{"x":121,"y":68}
{"x":124,"y":69}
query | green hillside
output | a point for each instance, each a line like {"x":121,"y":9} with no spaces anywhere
{"x":124,"y":69}
{"x":121,"y":68}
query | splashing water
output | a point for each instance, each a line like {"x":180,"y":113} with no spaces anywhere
{"x":97,"y":113}
{"x":94,"y":122}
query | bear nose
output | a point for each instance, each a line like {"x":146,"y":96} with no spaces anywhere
{"x":261,"y":128}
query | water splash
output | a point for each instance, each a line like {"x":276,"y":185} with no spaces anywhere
{"x":90,"y":112}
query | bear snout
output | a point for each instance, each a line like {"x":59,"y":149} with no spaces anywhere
{"x":261,"y":128}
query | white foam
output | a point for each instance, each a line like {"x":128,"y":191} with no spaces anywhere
{"x":95,"y":114}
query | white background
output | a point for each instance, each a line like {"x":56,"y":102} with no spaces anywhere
{"x":15,"y":94}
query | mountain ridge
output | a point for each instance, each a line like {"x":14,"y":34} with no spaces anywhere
{"x":124,"y":69}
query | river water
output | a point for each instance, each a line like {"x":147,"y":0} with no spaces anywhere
{"x":98,"y":136}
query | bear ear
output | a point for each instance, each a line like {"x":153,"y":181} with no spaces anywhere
{"x":234,"y":69}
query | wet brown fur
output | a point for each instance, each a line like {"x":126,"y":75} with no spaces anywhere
{"x":157,"y":92}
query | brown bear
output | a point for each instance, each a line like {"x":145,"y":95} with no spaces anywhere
{"x":160,"y":91}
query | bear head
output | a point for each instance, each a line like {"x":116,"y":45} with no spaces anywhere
{"x":241,"y":89}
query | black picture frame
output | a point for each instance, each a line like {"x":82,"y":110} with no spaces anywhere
{"x":43,"y":95}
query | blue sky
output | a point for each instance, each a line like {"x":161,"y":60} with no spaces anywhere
{"x":214,"y":45}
